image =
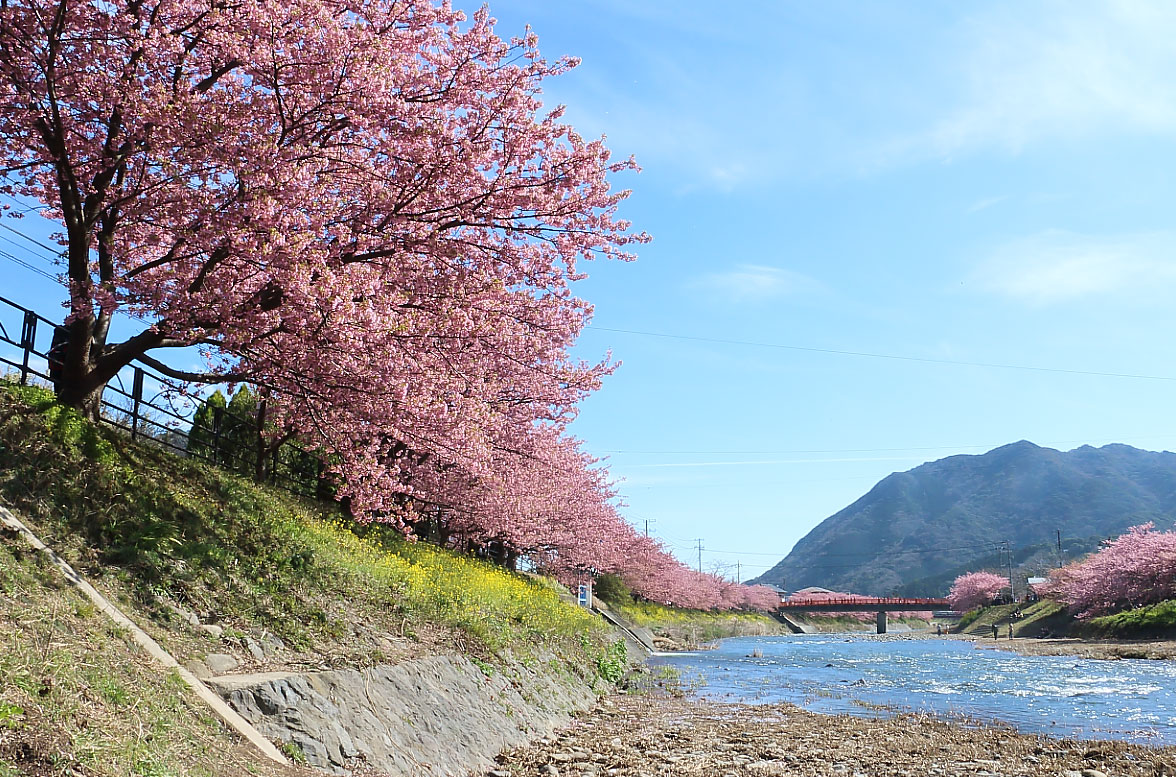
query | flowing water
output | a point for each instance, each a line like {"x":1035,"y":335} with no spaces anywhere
{"x":1132,"y":699}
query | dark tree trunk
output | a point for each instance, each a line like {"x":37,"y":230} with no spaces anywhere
{"x":80,"y":385}
{"x":83,"y":397}
{"x":88,"y":363}
{"x":260,"y":473}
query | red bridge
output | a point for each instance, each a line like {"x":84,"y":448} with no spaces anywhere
{"x":880,"y":605}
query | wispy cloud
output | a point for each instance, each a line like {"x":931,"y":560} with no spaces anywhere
{"x":1057,"y":266}
{"x":715,"y":150}
{"x":986,"y":203}
{"x":769,"y":462}
{"x":1077,"y":71}
{"x":794,"y":97}
{"x":749,"y":283}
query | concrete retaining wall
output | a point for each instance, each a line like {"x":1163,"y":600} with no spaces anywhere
{"x":434,"y":716}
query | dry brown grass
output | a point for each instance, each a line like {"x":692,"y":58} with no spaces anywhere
{"x":80,"y":698}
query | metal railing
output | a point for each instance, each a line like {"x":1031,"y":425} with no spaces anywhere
{"x":163,"y":412}
{"x":862,"y":603}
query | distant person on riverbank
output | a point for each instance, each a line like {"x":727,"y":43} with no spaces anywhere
{"x":995,"y":631}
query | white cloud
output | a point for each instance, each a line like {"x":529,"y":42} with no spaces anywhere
{"x":1055,"y":267}
{"x":986,"y":203}
{"x":770,"y":462}
{"x":1074,"y":71}
{"x":749,"y":283}
{"x":801,"y":94}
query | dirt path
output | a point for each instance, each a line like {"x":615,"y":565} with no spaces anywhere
{"x":644,"y":736}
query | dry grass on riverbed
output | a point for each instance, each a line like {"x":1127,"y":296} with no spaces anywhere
{"x":1082,"y":648}
{"x":656,"y":737}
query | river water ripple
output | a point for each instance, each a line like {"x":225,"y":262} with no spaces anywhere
{"x":1130,"y":699}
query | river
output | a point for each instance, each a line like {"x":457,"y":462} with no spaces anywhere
{"x":1129,"y":699}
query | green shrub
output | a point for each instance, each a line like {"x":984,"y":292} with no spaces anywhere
{"x":292,"y":751}
{"x":613,"y":662}
{"x":612,"y":589}
{"x":1154,"y":620}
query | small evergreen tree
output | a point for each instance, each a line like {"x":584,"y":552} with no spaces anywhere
{"x":202,"y":442}
{"x":240,"y":440}
{"x":224,"y":431}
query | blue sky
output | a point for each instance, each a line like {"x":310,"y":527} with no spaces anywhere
{"x":949,"y":184}
{"x":986,"y":183}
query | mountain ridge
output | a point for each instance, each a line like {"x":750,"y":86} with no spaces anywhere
{"x":913,"y":531}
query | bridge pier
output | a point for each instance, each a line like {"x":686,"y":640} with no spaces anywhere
{"x":881,"y":621}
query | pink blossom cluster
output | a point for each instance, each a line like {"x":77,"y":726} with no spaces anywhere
{"x":364,"y":210}
{"x":1132,"y":570}
{"x":558,"y":509}
{"x":975,"y":589}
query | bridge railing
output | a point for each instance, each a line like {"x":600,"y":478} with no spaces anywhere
{"x":914,"y":603}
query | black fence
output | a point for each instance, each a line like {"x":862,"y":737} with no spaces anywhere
{"x":157,"y":410}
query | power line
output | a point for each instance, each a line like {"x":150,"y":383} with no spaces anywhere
{"x":800,"y":451}
{"x":890,"y":356}
{"x":741,"y":552}
{"x":978,"y":546}
{"x":711,"y":484}
{"x":138,"y":317}
{"x":35,"y":241}
{"x":27,"y":266}
{"x":25,"y":207}
{"x":23,"y":248}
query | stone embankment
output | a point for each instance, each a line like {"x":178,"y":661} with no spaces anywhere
{"x":660,"y":737}
{"x":436,"y":716}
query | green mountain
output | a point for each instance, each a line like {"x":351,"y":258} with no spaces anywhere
{"x":915,"y":531}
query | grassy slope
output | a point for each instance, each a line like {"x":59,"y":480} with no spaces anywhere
{"x":1041,"y":617}
{"x":76,"y":697}
{"x":696,"y":627}
{"x":1152,"y":621}
{"x":1049,"y":618}
{"x":164,"y":536}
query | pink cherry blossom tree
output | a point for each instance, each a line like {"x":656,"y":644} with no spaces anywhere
{"x":975,"y":589}
{"x":361,"y":207}
{"x":282,"y":181}
{"x":1132,"y":570}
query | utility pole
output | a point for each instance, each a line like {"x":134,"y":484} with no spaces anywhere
{"x":699,"y":541}
{"x":647,"y":526}
{"x":738,"y":571}
{"x":1009,"y":555}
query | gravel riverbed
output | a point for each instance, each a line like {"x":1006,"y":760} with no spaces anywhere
{"x":1086,"y":648}
{"x":654,"y":736}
